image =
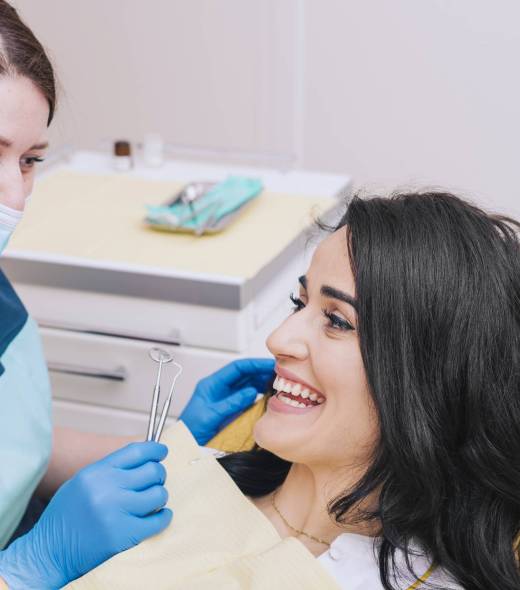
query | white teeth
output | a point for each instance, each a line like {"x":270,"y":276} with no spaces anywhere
{"x":292,"y":402}
{"x":296,"y":389}
{"x":286,"y":400}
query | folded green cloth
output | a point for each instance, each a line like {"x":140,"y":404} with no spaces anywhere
{"x":223,"y":199}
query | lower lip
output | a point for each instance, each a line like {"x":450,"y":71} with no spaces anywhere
{"x":278,"y":406}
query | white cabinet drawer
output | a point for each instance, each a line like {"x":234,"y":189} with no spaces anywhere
{"x":118,"y":373}
{"x":100,"y":420}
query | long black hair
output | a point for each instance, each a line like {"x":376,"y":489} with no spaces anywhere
{"x":438,"y":284}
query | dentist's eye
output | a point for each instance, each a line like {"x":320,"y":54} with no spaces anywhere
{"x":28,"y":162}
{"x":336,"y":322}
{"x":297,"y":302}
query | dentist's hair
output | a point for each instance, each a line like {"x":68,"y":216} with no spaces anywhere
{"x":438,"y":285}
{"x":21,"y":54}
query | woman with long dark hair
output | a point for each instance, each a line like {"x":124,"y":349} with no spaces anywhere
{"x":394,"y":422}
{"x":390,"y":442}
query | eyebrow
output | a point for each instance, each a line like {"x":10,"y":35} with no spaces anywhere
{"x":38,"y":146}
{"x":331,"y":292}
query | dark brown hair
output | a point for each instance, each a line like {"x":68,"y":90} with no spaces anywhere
{"x":438,"y":287}
{"x":23,"y":55}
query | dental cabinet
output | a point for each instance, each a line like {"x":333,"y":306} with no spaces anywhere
{"x":104,"y":288}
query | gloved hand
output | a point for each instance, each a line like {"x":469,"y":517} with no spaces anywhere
{"x":219,"y":398}
{"x":105,"y":508}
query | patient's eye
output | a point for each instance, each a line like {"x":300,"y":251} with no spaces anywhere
{"x":297,"y":302}
{"x":336,"y":322}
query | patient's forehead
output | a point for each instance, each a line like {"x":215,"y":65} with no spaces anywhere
{"x":331,"y":264}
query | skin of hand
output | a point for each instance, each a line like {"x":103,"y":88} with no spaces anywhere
{"x":108,"y":507}
{"x":220,"y":397}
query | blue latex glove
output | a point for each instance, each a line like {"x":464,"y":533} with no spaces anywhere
{"x":105,"y":508}
{"x":219,"y":398}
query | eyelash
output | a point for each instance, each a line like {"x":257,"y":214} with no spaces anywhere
{"x":335,"y":322}
{"x":30,"y":161}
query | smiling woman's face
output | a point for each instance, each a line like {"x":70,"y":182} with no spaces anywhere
{"x":317,"y":354}
{"x":24,"y":113}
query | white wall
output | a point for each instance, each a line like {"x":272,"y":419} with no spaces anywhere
{"x":391,"y":92}
{"x":416,"y":90}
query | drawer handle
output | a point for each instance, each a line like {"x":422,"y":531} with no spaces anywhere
{"x":118,"y":374}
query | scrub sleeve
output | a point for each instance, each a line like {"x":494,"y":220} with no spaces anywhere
{"x":25,"y":416}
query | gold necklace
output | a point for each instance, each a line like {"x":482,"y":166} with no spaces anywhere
{"x":414,"y":586}
{"x":294,"y":529}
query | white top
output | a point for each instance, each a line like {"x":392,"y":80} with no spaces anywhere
{"x":352,"y":561}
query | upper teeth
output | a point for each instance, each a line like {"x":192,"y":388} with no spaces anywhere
{"x":296,"y":389}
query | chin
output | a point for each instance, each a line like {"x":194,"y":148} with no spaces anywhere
{"x":279,"y":441}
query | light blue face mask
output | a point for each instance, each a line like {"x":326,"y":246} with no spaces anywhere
{"x":9,"y":219}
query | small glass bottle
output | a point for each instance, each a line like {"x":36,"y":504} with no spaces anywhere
{"x":122,"y":156}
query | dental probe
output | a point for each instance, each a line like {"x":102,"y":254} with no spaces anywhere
{"x":161,"y":357}
{"x":167,"y":403}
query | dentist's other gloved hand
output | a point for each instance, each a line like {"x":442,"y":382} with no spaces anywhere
{"x":217,"y":399}
{"x":105,"y":508}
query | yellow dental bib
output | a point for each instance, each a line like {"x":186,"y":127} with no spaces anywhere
{"x":217,"y":539}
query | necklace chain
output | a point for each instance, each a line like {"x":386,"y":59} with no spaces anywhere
{"x":420,"y":581}
{"x":294,"y":529}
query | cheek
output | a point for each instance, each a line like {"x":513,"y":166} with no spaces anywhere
{"x":353,"y":427}
{"x":344,"y":430}
{"x":29,"y":183}
{"x":349,"y":425}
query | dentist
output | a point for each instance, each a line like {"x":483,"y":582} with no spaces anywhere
{"x":115,"y":497}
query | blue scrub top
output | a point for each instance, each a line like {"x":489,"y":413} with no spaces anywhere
{"x":25,"y":410}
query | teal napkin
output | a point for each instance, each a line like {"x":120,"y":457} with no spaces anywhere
{"x":223,"y":199}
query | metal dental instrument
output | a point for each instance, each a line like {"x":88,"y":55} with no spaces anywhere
{"x":190,"y":193}
{"x":161,"y":357}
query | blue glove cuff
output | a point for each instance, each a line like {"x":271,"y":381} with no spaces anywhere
{"x":23,"y":567}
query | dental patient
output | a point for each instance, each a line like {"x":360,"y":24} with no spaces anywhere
{"x":388,"y":454}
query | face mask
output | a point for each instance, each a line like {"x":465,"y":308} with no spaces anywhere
{"x":9,"y":219}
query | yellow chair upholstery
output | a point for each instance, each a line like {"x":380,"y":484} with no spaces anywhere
{"x":238,"y":435}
